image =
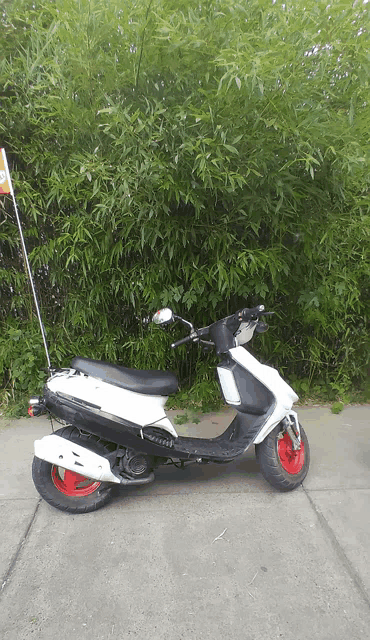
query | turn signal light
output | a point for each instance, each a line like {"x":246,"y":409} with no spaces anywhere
{"x":36,"y":407}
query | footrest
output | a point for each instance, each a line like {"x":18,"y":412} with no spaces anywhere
{"x":159,"y":436}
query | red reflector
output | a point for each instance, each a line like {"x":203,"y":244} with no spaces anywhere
{"x":30,"y":411}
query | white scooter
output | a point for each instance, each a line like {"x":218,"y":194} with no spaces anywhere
{"x":116,"y":431}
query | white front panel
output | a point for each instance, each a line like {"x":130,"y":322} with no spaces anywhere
{"x":284,"y":394}
{"x":139,"y":408}
{"x":228,"y":384}
{"x":245,"y":333}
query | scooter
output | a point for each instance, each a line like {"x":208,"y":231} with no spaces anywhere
{"x":116,"y":432}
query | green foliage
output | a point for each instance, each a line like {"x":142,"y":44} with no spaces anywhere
{"x":22,"y":357}
{"x":185,"y":417}
{"x":21,"y":361}
{"x":337,"y":407}
{"x":190,"y":155}
{"x":203,"y":395}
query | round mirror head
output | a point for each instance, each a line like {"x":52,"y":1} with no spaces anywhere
{"x":163,"y":316}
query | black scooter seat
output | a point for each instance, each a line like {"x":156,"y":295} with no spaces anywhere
{"x":149,"y":382}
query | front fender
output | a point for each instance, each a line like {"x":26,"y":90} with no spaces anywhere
{"x":276,"y":417}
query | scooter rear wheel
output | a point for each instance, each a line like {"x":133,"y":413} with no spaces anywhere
{"x":282,"y":466}
{"x":69,"y":491}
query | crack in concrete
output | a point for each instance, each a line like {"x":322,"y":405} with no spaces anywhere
{"x":6,"y":578}
{"x":347,"y":564}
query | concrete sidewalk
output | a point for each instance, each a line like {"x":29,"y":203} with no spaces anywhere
{"x":208,"y":553}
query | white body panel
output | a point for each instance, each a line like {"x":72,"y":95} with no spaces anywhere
{"x":229,"y":388}
{"x":141,"y":409}
{"x":145,"y":410}
{"x":68,"y":455}
{"x":245,"y":333}
{"x":284,"y":394}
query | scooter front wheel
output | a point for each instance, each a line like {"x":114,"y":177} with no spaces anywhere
{"x":69,"y":491}
{"x":282,"y":466}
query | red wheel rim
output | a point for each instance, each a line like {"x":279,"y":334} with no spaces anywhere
{"x":292,"y":461}
{"x":73,"y":484}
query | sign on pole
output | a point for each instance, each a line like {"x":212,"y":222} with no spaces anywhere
{"x":5,"y":182}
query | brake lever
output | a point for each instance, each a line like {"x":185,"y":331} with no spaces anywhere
{"x":206,"y":345}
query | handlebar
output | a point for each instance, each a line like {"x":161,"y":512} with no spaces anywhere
{"x":248,"y":314}
{"x":183,"y":341}
{"x":255,"y":312}
{"x":195,"y":336}
{"x":244,"y":315}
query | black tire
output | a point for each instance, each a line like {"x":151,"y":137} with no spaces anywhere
{"x":272,"y":463}
{"x":49,"y":480}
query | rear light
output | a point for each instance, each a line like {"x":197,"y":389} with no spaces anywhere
{"x":36,"y":407}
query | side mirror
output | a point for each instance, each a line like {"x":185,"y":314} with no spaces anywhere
{"x":163,"y":316}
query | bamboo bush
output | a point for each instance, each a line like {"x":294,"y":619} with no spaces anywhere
{"x":203,"y":156}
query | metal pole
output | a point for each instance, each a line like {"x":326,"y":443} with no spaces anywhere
{"x":27,"y":263}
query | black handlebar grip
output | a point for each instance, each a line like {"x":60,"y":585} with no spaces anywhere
{"x":256,"y":311}
{"x":182,"y":341}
